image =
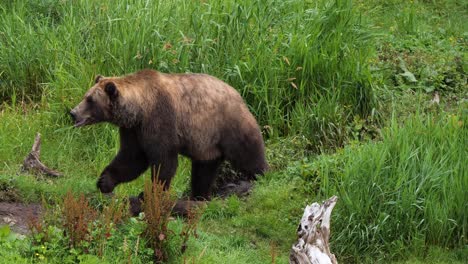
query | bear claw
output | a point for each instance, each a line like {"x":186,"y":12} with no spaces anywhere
{"x":105,"y":184}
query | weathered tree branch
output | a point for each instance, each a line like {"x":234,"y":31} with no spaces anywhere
{"x":314,"y":232}
{"x":33,"y":163}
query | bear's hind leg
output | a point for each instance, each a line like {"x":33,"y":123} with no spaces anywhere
{"x":203,"y":176}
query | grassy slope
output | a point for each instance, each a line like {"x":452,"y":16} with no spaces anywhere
{"x":249,"y":230}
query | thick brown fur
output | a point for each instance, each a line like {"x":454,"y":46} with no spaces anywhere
{"x":163,"y":115}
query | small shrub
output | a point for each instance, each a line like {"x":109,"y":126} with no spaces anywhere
{"x":111,"y":215}
{"x":190,"y":228}
{"x":36,"y":228}
{"x":78,"y":216}
{"x":157,"y":206}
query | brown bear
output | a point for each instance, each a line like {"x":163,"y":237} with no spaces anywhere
{"x":162,"y":115}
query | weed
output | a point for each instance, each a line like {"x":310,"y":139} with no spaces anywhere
{"x":78,"y":217}
{"x":36,"y":228}
{"x":190,"y":227}
{"x":103,"y":228}
{"x":157,"y":206}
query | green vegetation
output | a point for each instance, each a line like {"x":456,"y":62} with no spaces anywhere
{"x":416,"y":177}
{"x":363,"y":99}
{"x":284,"y":60}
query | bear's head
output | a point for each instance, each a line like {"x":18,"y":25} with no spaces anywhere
{"x":97,"y":104}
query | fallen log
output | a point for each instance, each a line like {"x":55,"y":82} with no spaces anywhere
{"x":313,"y":246}
{"x":32,"y":162}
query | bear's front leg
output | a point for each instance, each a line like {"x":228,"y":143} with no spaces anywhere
{"x":129,"y":163}
{"x":121,"y":169}
{"x":106,"y":183}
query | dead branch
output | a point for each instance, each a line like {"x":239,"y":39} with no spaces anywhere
{"x":32,"y":162}
{"x":314,"y":232}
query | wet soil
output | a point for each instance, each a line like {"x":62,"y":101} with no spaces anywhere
{"x":230,"y":181}
{"x":18,"y":215}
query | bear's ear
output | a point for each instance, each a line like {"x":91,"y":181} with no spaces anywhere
{"x":98,"y":78}
{"x":111,"y":90}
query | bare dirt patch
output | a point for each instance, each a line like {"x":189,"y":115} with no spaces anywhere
{"x":231,"y":182}
{"x":17,"y":215}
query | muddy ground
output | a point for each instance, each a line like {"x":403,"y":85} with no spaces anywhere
{"x":18,"y":215}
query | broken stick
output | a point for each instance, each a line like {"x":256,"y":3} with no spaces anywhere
{"x":33,"y":163}
{"x":314,"y":232}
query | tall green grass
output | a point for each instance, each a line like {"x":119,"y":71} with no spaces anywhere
{"x":287,"y":58}
{"x":302,"y":67}
{"x":401,"y":195}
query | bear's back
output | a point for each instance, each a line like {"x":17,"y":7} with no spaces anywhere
{"x":208,"y":110}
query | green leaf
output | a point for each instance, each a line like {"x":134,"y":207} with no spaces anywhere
{"x":429,"y":89}
{"x":409,"y":77}
{"x":5,"y":231}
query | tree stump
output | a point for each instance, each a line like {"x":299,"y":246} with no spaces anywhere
{"x":32,"y":162}
{"x":312,"y":246}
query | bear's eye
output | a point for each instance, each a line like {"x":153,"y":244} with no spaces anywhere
{"x":89,"y":100}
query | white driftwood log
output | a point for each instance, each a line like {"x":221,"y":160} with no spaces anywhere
{"x":33,"y":163}
{"x":314,"y":233}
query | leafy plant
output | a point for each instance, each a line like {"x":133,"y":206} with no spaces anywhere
{"x":78,"y":217}
{"x":157,"y":206}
